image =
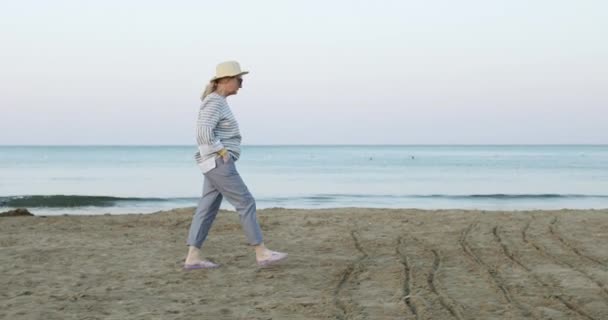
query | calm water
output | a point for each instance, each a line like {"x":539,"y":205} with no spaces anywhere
{"x":94,"y":179}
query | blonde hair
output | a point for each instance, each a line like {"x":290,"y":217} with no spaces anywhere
{"x":211,"y":86}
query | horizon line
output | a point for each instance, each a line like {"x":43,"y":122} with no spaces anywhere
{"x":311,"y":145}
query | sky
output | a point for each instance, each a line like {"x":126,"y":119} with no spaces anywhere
{"x":321,"y":72}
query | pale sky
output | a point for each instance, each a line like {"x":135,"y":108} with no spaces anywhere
{"x":322,"y":72}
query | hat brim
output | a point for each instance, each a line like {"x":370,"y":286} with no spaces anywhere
{"x":228,"y":76}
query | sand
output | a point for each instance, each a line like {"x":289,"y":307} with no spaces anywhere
{"x":343,"y":264}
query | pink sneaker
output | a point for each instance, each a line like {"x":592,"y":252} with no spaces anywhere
{"x":275,"y":257}
{"x":201,"y":265}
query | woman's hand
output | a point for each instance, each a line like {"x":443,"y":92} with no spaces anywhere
{"x":224,"y":154}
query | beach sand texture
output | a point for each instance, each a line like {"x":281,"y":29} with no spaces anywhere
{"x":343,"y":264}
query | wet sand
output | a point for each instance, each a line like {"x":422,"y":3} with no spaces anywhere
{"x":343,"y":264}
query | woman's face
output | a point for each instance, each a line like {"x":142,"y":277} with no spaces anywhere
{"x":232,"y":84}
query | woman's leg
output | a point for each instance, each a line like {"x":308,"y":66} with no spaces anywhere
{"x":229,"y":183}
{"x":208,"y":207}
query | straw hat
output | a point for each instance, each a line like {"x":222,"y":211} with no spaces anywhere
{"x":228,"y":69}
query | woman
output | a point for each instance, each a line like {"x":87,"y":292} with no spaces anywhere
{"x":219,"y":142}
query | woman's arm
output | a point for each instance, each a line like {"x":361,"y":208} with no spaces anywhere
{"x":208,"y":117}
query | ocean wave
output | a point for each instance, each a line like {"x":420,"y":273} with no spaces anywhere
{"x":498,"y":196}
{"x":514,"y":196}
{"x":75,"y":201}
{"x":70,"y":201}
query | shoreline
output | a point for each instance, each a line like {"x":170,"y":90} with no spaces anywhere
{"x":343,"y":263}
{"x":99,"y":211}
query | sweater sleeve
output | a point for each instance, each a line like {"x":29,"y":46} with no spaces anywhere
{"x":208,"y":118}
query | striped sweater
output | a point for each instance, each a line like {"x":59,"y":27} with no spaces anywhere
{"x":216,"y":128}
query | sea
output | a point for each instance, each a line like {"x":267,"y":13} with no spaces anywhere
{"x":59,"y":180}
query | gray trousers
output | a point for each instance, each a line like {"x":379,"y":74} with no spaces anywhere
{"x":224,"y":181}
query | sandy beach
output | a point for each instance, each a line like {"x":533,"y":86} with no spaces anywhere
{"x":343,"y":264}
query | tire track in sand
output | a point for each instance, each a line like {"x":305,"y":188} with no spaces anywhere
{"x":407,"y":282}
{"x":543,"y":251}
{"x":569,"y":304}
{"x":351,"y":271}
{"x":444,"y":300}
{"x":492,"y":272}
{"x":554,"y":232}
